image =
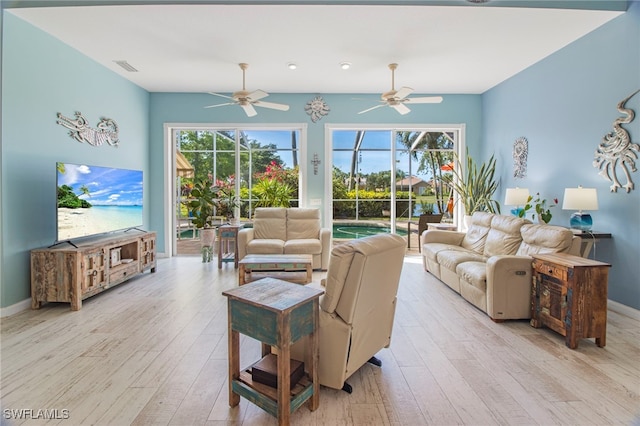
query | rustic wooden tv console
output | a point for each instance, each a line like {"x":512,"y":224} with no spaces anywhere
{"x":72,"y":273}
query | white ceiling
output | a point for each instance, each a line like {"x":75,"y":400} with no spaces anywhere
{"x":197,"y":48}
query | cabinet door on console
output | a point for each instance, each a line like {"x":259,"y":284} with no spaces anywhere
{"x":553,"y":303}
{"x":148,"y":253}
{"x":94,"y":274}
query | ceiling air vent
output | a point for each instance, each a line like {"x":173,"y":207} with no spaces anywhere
{"x":126,"y":65}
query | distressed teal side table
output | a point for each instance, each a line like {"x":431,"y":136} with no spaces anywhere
{"x":228,"y":244}
{"x":277,"y":313}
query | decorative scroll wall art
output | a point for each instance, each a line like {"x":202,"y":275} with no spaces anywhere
{"x":616,"y":149}
{"x":105,"y":131}
{"x":316,"y":108}
{"x":520,"y":153}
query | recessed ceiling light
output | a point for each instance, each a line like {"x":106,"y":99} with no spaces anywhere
{"x":292,"y":66}
{"x":345,"y":65}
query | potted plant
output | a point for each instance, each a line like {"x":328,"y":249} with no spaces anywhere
{"x":476,"y":185}
{"x":201,"y":205}
{"x":427,"y":213}
{"x":540,"y":207}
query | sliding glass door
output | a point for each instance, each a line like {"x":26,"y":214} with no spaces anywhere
{"x":259,"y":167}
{"x":382,"y":180}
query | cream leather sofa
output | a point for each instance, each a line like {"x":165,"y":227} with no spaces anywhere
{"x":280,"y":230}
{"x":358,"y":307}
{"x":490,"y":264}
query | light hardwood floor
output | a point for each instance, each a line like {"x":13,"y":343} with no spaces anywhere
{"x":154,"y":351}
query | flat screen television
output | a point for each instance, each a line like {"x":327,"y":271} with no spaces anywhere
{"x":94,"y":200}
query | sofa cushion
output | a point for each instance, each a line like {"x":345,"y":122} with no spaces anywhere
{"x":303,"y":246}
{"x":431,"y":250}
{"x":303,"y":224}
{"x":265,"y":246}
{"x":270,"y":223}
{"x":544,"y":239}
{"x":474,"y":273}
{"x":476,"y":234}
{"x":450,"y":259}
{"x":339,"y":264}
{"x":504,"y":236}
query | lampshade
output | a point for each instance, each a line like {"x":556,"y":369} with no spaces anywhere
{"x":516,"y":196}
{"x":580,"y":199}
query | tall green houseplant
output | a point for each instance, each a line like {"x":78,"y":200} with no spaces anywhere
{"x":201,"y":204}
{"x":475,"y":185}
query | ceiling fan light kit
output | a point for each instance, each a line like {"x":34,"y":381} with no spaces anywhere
{"x":397,"y":99}
{"x":247,"y":100}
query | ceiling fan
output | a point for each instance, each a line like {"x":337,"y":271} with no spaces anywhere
{"x":398,"y":99}
{"x":247,"y":100}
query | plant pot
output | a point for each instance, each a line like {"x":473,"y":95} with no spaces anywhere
{"x":207,"y":240}
{"x":431,"y":218}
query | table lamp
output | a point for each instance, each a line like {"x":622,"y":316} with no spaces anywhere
{"x":516,"y":197}
{"x":580,"y":199}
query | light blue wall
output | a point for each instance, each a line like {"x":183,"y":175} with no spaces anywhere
{"x":188,"y":108}
{"x":40,"y":77}
{"x":564,"y":105}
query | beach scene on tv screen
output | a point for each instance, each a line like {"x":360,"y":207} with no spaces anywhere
{"x":95,"y":200}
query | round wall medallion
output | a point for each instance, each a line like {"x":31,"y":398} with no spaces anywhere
{"x":316,"y":108}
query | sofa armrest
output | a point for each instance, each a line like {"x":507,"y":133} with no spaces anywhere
{"x":438,"y":236}
{"x":325,"y":241}
{"x":244,"y":236}
{"x":509,"y":287}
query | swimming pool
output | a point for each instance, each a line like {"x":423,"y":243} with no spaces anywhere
{"x":349,"y":231}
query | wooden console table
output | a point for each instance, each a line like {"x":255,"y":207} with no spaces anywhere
{"x":72,"y":273}
{"x":569,"y":295}
{"x":277,"y":313}
{"x":589,"y":239}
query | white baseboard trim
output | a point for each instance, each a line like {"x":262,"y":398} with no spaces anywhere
{"x":15,"y":308}
{"x":624,"y":309}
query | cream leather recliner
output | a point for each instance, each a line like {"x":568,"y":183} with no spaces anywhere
{"x":358,"y":307}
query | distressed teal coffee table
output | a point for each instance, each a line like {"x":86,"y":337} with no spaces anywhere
{"x":277,"y":313}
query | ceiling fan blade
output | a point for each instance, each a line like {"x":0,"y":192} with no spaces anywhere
{"x":249,"y":110}
{"x":213,"y":106}
{"x":371,"y":109}
{"x":257,"y":95}
{"x":221,"y":95}
{"x":272,"y":105}
{"x":403,"y":92}
{"x":424,"y":100}
{"x":401,"y":108}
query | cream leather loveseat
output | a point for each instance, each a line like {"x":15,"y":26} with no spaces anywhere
{"x":490,"y":264}
{"x":280,"y":230}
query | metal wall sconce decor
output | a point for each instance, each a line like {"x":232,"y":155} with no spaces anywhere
{"x":105,"y":131}
{"x":616,"y":149}
{"x":316,"y":108}
{"x":316,"y":162}
{"x":520,"y":153}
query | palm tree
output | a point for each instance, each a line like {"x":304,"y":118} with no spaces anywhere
{"x":433,"y":158}
{"x":85,"y":191}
